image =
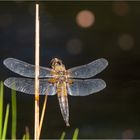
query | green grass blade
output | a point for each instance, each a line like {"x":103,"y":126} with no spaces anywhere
{"x":14,"y":115}
{"x":75,"y":135}
{"x":62,"y":136}
{"x":27,"y":136}
{"x":23,"y":138}
{"x":1,"y":108}
{"x":5,"y":123}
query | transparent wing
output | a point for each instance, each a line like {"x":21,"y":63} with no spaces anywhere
{"x":85,"y":87}
{"x":88,"y":70}
{"x":25,"y":69}
{"x":27,"y":85}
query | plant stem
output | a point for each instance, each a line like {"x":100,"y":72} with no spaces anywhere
{"x":1,"y":108}
{"x":36,"y":129}
{"x":5,"y":123}
{"x":75,"y":135}
{"x":27,"y":136}
{"x":63,"y":136}
{"x":14,"y":114}
{"x":42,"y":114}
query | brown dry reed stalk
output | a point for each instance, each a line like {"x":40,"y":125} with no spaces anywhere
{"x":38,"y":125}
{"x":37,"y":44}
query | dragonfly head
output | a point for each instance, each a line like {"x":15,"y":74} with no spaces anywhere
{"x":56,"y":61}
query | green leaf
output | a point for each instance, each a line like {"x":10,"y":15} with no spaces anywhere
{"x":5,"y":123}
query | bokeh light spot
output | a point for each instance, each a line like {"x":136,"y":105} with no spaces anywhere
{"x":126,"y":42}
{"x":74,"y":46}
{"x":85,"y":18}
{"x":120,"y":8}
{"x":128,"y":134}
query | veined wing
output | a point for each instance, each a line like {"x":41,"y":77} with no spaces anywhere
{"x":85,"y":87}
{"x":88,"y":70}
{"x":25,"y":69}
{"x":27,"y":85}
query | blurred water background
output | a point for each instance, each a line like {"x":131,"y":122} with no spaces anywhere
{"x":78,"y":33}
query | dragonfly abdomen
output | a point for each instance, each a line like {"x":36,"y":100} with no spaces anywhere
{"x":63,"y":101}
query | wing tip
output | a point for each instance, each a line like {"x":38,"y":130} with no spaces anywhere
{"x":6,"y":60}
{"x":5,"y":81}
{"x":102,"y":83}
{"x":8,"y":80}
{"x":104,"y":61}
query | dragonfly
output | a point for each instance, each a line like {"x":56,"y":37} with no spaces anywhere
{"x":76,"y":81}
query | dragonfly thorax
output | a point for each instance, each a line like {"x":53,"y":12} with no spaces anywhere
{"x":62,"y":78}
{"x":59,"y":69}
